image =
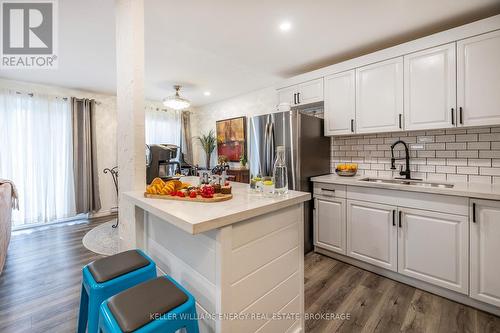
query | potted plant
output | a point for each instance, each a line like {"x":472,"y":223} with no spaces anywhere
{"x":208,"y":143}
{"x":243,"y":160}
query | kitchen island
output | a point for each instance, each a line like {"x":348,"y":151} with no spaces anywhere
{"x":242,"y":259}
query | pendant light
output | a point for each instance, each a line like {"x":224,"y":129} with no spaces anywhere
{"x":176,"y":102}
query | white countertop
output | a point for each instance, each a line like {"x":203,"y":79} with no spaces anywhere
{"x":472,"y":190}
{"x":197,"y":217}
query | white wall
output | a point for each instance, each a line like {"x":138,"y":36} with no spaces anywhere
{"x":106,"y":123}
{"x":251,"y":104}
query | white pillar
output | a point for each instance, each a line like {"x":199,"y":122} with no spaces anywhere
{"x":130,"y":103}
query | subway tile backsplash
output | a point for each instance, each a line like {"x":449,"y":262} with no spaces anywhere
{"x":454,"y":155}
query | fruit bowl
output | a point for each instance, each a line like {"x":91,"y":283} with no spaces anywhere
{"x":346,"y":170}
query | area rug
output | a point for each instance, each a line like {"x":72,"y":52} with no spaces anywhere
{"x":103,"y":239}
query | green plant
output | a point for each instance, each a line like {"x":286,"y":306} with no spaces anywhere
{"x":208,"y":143}
{"x":243,"y":160}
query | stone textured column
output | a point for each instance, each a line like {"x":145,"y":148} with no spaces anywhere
{"x":130,"y":103}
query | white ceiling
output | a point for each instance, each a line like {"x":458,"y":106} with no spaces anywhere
{"x":230,"y":47}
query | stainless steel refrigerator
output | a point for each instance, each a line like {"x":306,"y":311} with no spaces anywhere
{"x":307,"y":152}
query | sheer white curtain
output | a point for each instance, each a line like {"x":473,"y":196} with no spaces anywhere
{"x":163,"y":126}
{"x":36,"y":153}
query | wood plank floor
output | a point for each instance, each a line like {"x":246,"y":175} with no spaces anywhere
{"x":40,"y":285}
{"x":378,"y":304}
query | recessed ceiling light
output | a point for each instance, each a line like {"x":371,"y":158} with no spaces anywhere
{"x":207,"y":93}
{"x":285,"y":26}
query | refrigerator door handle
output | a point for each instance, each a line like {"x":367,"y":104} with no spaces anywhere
{"x":271,"y":143}
{"x":293,"y":152}
{"x":266,"y":149}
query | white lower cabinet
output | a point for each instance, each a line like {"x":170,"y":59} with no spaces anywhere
{"x":455,"y":249}
{"x":485,"y":251}
{"x":330,"y":224}
{"x":432,"y":247}
{"x":372,"y":233}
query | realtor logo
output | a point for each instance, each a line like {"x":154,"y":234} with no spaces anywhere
{"x":28,"y":34}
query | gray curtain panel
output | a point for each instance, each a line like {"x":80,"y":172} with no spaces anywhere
{"x":87,"y":196}
{"x":186,"y":140}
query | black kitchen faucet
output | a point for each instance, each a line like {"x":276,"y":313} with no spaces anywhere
{"x":407,"y":172}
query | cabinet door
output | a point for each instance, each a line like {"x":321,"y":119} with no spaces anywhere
{"x":372,"y":233}
{"x":484,"y":251}
{"x":430,"y":88}
{"x":310,"y":92}
{"x":340,"y":103}
{"x":287,"y":95}
{"x":379,"y":97}
{"x":478,"y":85}
{"x":330,"y":224}
{"x":433,"y":247}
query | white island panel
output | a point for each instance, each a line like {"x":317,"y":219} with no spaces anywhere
{"x":248,"y":260}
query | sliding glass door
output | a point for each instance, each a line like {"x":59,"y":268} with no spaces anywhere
{"x":36,"y":154}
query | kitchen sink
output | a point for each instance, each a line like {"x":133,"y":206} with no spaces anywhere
{"x":406,"y":182}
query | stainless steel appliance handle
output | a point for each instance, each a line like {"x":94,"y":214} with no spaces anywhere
{"x":266,"y":149}
{"x":293,"y":154}
{"x":272,"y":147}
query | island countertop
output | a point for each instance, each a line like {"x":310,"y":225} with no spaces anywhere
{"x":198,"y":217}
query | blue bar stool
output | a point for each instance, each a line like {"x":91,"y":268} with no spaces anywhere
{"x":108,"y":276}
{"x":158,"y":305}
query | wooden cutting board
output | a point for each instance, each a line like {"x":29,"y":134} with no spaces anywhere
{"x":218,"y":197}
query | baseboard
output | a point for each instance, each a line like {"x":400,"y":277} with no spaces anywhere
{"x":443,"y":292}
{"x":103,"y":213}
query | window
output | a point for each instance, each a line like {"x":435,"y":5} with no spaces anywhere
{"x":163,"y":126}
{"x":36,"y":153}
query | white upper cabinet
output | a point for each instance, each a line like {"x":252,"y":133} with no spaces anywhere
{"x":484,"y":251}
{"x":287,"y":95}
{"x":430,"y":88}
{"x":340,"y":103}
{"x":449,"y":79}
{"x":478,"y":87}
{"x":310,"y":92}
{"x":379,"y":97}
{"x":433,"y":247}
{"x":302,"y":94}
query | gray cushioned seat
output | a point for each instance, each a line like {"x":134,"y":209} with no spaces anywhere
{"x":108,"y":268}
{"x":137,"y":306}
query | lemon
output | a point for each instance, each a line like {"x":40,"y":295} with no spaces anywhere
{"x":267,"y":182}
